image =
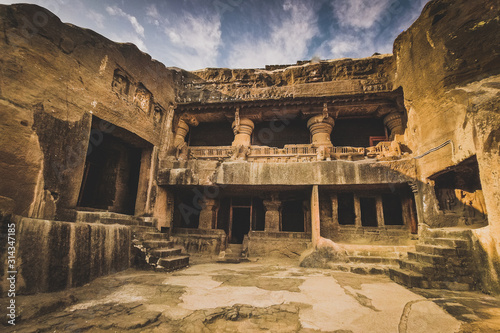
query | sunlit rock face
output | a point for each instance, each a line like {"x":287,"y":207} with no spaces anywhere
{"x":91,"y":125}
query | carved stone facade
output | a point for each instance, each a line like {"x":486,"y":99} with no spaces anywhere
{"x":386,"y":150}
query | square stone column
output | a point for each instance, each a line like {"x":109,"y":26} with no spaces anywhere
{"x":380,"y":212}
{"x":315,"y":217}
{"x":208,"y":215}
{"x":335,"y":210}
{"x":272,"y":217}
{"x":357,"y":212}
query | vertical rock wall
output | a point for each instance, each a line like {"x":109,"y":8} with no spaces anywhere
{"x":448,"y":66}
{"x":54,"y":77}
{"x":52,"y":256}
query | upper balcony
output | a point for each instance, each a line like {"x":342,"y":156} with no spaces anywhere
{"x":384,"y":150}
{"x":301,"y":141}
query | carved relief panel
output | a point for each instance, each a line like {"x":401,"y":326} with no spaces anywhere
{"x":121,"y":82}
{"x":143,"y":98}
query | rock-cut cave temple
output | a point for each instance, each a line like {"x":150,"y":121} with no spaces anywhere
{"x":109,"y":159}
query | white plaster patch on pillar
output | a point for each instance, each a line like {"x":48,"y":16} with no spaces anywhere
{"x":335,"y":209}
{"x":315,"y":216}
{"x":72,"y":253}
{"x":357,"y":212}
{"x":380,"y":212}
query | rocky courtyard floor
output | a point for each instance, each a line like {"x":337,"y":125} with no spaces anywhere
{"x":253,"y":297}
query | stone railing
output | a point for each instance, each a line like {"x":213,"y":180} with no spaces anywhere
{"x":294,"y":153}
{"x":347,"y":152}
{"x":290,"y":153}
{"x":210,"y":153}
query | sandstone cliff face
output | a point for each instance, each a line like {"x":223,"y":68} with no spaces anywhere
{"x":448,"y":64}
{"x":324,"y":78}
{"x":54,"y":78}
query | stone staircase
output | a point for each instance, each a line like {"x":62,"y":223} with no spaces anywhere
{"x":442,"y":260}
{"x":232,"y":255}
{"x":152,"y":249}
{"x":155,"y":250}
{"x":371,"y":259}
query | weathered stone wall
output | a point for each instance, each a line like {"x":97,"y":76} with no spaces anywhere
{"x":55,"y":76}
{"x":277,"y":244}
{"x":447,"y":64}
{"x":324,"y":78}
{"x":52,"y":256}
{"x":205,"y":241}
{"x":299,"y":173}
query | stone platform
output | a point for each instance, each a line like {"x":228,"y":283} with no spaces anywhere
{"x":274,"y":296}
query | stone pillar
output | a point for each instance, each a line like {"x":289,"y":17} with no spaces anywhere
{"x":335,"y":210}
{"x":380,"y":212}
{"x":242,"y":132}
{"x":321,"y":128}
{"x":394,"y":122}
{"x":183,"y":128}
{"x":208,"y":214}
{"x":315,"y":217}
{"x":272,"y":217}
{"x":419,"y":205}
{"x":357,"y":212}
{"x":306,"y":207}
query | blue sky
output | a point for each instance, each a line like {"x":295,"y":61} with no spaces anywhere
{"x":194,"y":34}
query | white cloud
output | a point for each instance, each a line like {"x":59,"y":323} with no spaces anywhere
{"x":116,"y":11}
{"x":361,"y":14}
{"x":153,"y":15}
{"x":96,"y":17}
{"x":288,"y":40}
{"x":194,"y":40}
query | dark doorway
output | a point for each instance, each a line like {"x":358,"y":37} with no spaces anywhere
{"x":111,"y":176}
{"x":292,"y":216}
{"x":346,"y":212}
{"x":357,"y":132}
{"x":393,"y":210}
{"x":187,"y":212}
{"x":240,"y":224}
{"x":113,"y":168}
{"x":211,"y":134}
{"x":368,"y":212}
{"x":278,"y":133}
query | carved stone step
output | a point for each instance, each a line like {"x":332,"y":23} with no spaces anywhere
{"x":447,"y":242}
{"x":119,"y":220}
{"x":152,"y":236}
{"x":436,"y":250}
{"x":415,"y":280}
{"x":374,"y":260}
{"x":142,"y":229}
{"x":156,"y":244}
{"x":418,"y":267}
{"x":172,"y":263}
{"x":166,"y":252}
{"x":426,"y":258}
{"x":406,"y":277}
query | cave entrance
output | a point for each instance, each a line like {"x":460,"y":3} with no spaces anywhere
{"x":292,"y":216}
{"x":113,"y":169}
{"x":240,"y":218}
{"x":368,"y":207}
{"x":459,"y":192}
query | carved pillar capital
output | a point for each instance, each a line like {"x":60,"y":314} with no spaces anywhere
{"x":321,"y":128}
{"x":182,"y":129}
{"x":394,"y":122}
{"x":242,"y":129}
